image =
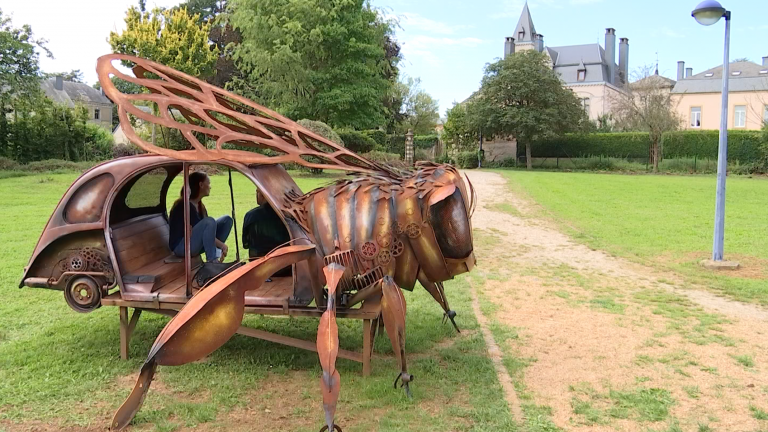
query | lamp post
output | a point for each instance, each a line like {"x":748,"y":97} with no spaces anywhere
{"x":708,"y":13}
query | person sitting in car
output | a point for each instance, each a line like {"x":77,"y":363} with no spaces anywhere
{"x":207,"y":234}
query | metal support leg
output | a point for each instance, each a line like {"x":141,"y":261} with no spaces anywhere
{"x":367,"y":346}
{"x":124,"y":336}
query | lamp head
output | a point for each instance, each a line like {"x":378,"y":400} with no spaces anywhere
{"x":708,"y":12}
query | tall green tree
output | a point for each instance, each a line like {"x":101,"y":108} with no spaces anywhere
{"x":318,"y":59}
{"x":419,"y":108}
{"x":75,"y":75}
{"x":171,"y":37}
{"x":19,"y":77}
{"x":460,"y":133}
{"x":522,"y":97}
{"x":221,"y":34}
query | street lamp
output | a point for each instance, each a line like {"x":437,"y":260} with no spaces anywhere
{"x":708,"y":13}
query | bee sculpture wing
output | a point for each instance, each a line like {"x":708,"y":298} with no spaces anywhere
{"x":218,"y":124}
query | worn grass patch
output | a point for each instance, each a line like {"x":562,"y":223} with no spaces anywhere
{"x":54,"y":359}
{"x":640,"y":404}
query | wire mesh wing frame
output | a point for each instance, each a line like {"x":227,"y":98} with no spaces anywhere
{"x":220,"y":116}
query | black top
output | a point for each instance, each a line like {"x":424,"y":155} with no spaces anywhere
{"x":176,"y":223}
{"x":263,"y":230}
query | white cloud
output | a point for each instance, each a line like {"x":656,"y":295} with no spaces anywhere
{"x":425,"y":48}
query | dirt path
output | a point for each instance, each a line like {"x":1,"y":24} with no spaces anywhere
{"x":612,"y":344}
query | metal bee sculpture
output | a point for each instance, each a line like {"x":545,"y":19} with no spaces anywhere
{"x":373,"y":234}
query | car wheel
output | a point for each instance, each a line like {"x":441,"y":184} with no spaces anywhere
{"x":83,"y":294}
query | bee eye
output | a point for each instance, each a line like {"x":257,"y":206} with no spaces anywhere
{"x":450,"y":223}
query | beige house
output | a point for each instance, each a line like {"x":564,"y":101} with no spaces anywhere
{"x":70,"y":93}
{"x":589,"y":69}
{"x":699,"y":96}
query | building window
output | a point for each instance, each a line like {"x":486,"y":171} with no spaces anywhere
{"x":765,"y":115}
{"x":695,"y":117}
{"x":740,"y":116}
{"x":585,"y":104}
{"x":520,"y":36}
{"x":581,"y":75}
{"x":96,"y":114}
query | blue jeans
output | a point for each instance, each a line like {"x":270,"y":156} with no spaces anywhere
{"x":204,"y":236}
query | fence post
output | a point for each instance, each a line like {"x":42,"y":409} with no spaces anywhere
{"x":694,"y":163}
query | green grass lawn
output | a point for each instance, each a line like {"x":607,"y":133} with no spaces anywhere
{"x":665,"y":221}
{"x":63,"y":368}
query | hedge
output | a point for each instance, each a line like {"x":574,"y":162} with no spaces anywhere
{"x":357,"y":141}
{"x":425,"y":141}
{"x":743,"y":146}
{"x":377,"y":135}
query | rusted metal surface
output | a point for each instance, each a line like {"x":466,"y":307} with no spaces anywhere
{"x":215,"y":115}
{"x":366,"y":237}
{"x":206,"y":322}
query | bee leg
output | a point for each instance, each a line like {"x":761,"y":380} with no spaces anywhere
{"x":393,"y":313}
{"x":438,"y":293}
{"x":328,"y":348}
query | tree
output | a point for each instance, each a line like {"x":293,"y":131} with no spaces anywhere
{"x":19,"y":77}
{"x":75,"y":75}
{"x":124,"y":87}
{"x":648,"y":106}
{"x":221,"y":34}
{"x":314,"y":59}
{"x":521,"y":96}
{"x":460,"y":132}
{"x":171,"y":37}
{"x":420,"y":109}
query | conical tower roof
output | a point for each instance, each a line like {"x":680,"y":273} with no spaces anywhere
{"x":525,"y":25}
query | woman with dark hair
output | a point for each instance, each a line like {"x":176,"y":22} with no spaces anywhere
{"x":208,"y":234}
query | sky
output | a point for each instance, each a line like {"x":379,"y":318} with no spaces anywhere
{"x":447,"y":43}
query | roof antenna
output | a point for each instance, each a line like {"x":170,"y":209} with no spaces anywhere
{"x":657,"y":63}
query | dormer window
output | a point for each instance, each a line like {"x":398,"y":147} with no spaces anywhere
{"x":736,"y":73}
{"x":582,"y":75}
{"x":520,"y":35}
{"x":709,"y":74}
{"x":764,"y":72}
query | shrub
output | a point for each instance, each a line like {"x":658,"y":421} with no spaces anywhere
{"x":383,"y":157}
{"x":420,"y":155}
{"x":56,"y":165}
{"x":7,"y":164}
{"x":425,"y":141}
{"x":379,"y":136}
{"x":324,"y":131}
{"x":357,"y":141}
{"x":98,"y":143}
{"x":123,"y":150}
{"x":743,"y":146}
{"x":445,"y":159}
{"x":504,"y":163}
{"x":467,"y":160}
{"x":396,"y":144}
{"x":321,"y":129}
{"x":620,"y":145}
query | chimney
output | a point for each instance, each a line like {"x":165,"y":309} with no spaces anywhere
{"x":610,"y":53}
{"x":765,"y":61}
{"x":680,"y":70}
{"x":688,"y":72}
{"x":59,"y":84}
{"x":540,"y":42}
{"x":509,"y":46}
{"x":624,"y":59}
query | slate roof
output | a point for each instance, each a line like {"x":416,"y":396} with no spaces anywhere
{"x":568,"y":60}
{"x":73,"y":92}
{"x":657,"y":79}
{"x":525,"y":25}
{"x":750,"y":79}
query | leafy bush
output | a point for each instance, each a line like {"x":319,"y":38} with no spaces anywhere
{"x":7,"y":164}
{"x":743,"y":146}
{"x":383,"y":157}
{"x":357,"y":141}
{"x":379,"y":136}
{"x":504,"y":163}
{"x":324,"y":131}
{"x":123,"y":150}
{"x":425,"y":141}
{"x":98,"y":142}
{"x":56,"y":165}
{"x":467,"y":160}
{"x":396,"y":144}
{"x":321,"y":129}
{"x":445,"y":159}
{"x":620,"y":145}
{"x":420,"y":155}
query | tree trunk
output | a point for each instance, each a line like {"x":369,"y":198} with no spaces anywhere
{"x":528,"y":161}
{"x":655,"y":154}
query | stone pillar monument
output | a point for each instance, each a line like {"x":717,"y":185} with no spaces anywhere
{"x":409,"y":147}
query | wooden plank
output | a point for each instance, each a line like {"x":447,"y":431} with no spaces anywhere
{"x":137,"y":226}
{"x":130,"y":267}
{"x":124,"y":336}
{"x":296,"y":343}
{"x":153,"y":236}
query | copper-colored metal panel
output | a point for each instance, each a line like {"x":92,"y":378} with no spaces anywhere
{"x":323,"y":207}
{"x":87,"y":203}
